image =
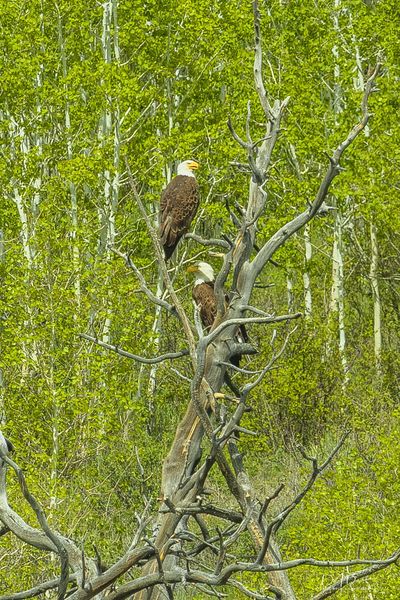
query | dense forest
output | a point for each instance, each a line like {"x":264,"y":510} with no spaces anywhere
{"x":99,"y":102}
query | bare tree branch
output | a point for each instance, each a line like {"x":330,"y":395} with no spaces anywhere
{"x":217,"y":579}
{"x":346,"y":579}
{"x":334,"y":168}
{"x":275,"y":356}
{"x":38,"y":589}
{"x":56,"y":539}
{"x":277,"y":521}
{"x":207,"y":242}
{"x":208,"y":339}
{"x":141,"y":359}
{"x":143,"y":285}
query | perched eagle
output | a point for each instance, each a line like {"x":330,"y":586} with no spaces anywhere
{"x":203,"y":292}
{"x":204,"y":296}
{"x":179,"y":203}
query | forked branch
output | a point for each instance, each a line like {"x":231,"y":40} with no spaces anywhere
{"x":334,"y":168}
{"x":140,"y":359}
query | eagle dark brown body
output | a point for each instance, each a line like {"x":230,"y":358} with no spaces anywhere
{"x":179,"y":203}
{"x":204,"y":296}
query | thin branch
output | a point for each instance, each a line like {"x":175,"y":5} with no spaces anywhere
{"x":141,"y":359}
{"x":346,"y":579}
{"x":249,"y":593}
{"x":207,"y":242}
{"x":208,"y":509}
{"x":250,"y":386}
{"x":239,"y":369}
{"x":279,"y":519}
{"x":334,"y":168}
{"x":38,"y":589}
{"x":181,"y":375}
{"x":246,"y":321}
{"x":235,"y":136}
{"x":143,"y":285}
{"x":269,"y":499}
{"x":255,"y":310}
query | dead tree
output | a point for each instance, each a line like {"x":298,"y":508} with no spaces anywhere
{"x":176,"y":557}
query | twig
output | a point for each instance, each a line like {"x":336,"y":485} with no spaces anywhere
{"x":250,"y":386}
{"x":143,"y":285}
{"x":346,"y":579}
{"x":316,"y":471}
{"x":141,"y":359}
{"x":269,"y":499}
{"x":207,"y":242}
{"x":41,"y":588}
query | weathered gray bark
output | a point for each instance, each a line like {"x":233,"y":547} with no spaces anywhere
{"x":184,"y":473}
{"x":376,"y":297}
{"x":43,"y":538}
{"x":211,"y":359}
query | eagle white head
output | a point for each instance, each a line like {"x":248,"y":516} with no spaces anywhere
{"x":187,"y":167}
{"x":204,"y":272}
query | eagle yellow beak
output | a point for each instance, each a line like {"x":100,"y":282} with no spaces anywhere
{"x":192,"y":269}
{"x":194,"y":165}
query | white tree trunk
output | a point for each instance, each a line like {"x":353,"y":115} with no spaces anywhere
{"x":307,"y":245}
{"x":289,"y":289}
{"x":72,"y":187}
{"x":338,"y":104}
{"x":27,"y":216}
{"x":110,"y":124}
{"x":306,"y":276}
{"x":337,"y":294}
{"x":376,"y":297}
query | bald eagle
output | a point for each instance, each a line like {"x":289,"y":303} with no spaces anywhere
{"x":204,"y":296}
{"x":179,"y":203}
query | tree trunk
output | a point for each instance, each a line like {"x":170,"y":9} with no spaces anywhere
{"x":376,"y":298}
{"x":72,"y":187}
{"x":109,"y":125}
{"x":306,"y":276}
{"x":337,"y":294}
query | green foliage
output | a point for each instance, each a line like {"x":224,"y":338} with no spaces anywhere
{"x":158,"y":86}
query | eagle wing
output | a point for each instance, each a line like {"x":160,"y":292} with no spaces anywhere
{"x":178,"y":206}
{"x":204,"y":296}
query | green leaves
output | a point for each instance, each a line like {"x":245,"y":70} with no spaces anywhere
{"x":173,"y":75}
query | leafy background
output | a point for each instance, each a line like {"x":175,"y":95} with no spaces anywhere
{"x":85,"y":84}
